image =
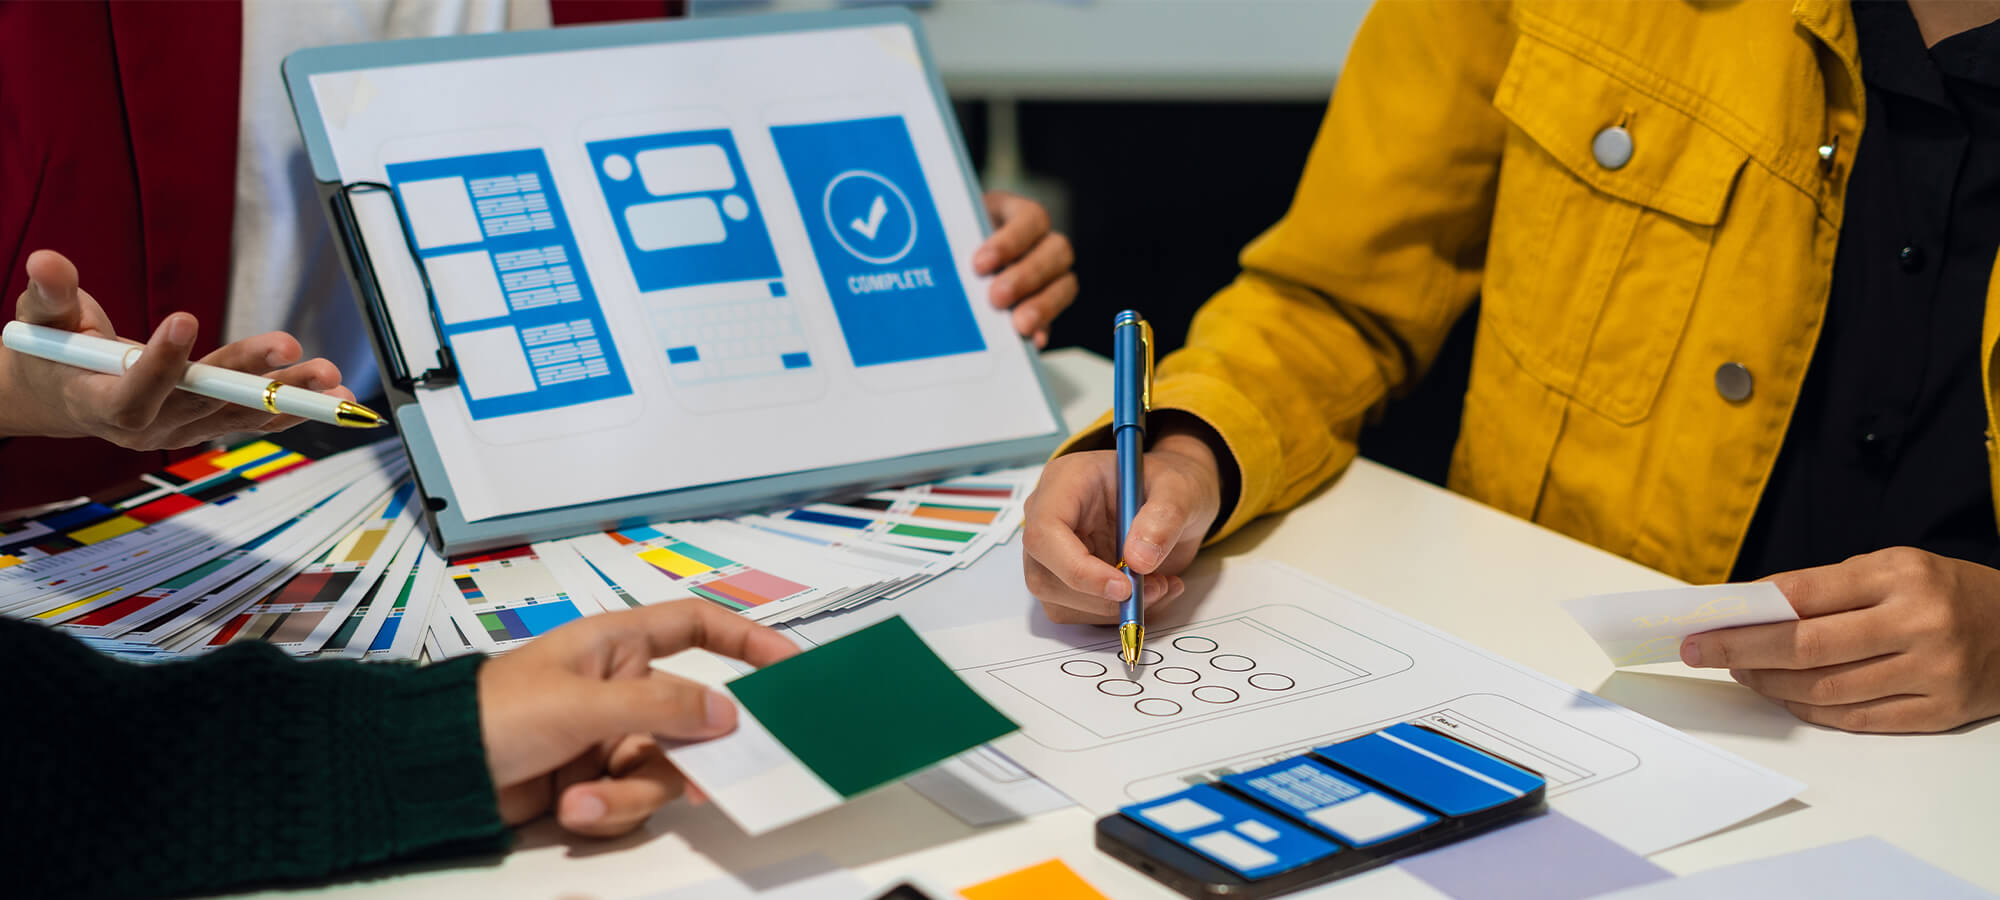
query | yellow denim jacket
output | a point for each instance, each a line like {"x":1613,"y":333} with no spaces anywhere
{"x":1456,"y":163}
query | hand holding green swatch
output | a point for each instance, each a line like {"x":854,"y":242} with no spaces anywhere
{"x":837,"y":721}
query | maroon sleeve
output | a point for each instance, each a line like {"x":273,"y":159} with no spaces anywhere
{"x":581,"y":12}
{"x":117,"y":148}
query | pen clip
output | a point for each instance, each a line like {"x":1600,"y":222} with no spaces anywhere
{"x":1146,"y":385}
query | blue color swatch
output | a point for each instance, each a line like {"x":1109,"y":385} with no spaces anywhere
{"x":543,"y":316}
{"x":821,"y":518}
{"x":878,"y":239}
{"x":1249,"y":841}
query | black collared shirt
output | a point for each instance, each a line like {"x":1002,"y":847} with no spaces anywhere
{"x":1887,"y":446}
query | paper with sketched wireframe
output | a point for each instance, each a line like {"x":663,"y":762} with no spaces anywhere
{"x":1641,"y":627}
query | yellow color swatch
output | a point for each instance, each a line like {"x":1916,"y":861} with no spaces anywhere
{"x":6,"y":560}
{"x":63,"y":609}
{"x":250,"y":452}
{"x":1052,"y":880}
{"x":272,"y":466}
{"x":668,"y":561}
{"x":106,"y":530}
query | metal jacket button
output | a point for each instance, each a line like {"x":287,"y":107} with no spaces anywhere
{"x":1733,"y":382}
{"x":1612,"y":147}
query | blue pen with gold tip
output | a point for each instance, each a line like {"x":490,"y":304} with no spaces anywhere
{"x":1132,"y":396}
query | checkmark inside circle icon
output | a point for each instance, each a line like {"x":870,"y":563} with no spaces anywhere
{"x":873,"y":224}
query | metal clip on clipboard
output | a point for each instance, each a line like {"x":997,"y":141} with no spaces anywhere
{"x":445,"y":373}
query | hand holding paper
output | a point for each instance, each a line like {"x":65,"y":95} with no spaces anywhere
{"x":1641,"y":627}
{"x":1899,"y":640}
{"x":822,"y":728}
{"x":569,"y":720}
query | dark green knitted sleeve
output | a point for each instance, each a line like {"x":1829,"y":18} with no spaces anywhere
{"x":243,"y":766}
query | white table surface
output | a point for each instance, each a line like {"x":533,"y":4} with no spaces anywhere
{"x":1490,"y":578}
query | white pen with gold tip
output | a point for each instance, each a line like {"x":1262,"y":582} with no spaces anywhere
{"x":228,"y":385}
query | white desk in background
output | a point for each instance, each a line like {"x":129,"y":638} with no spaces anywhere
{"x":1487,"y":577}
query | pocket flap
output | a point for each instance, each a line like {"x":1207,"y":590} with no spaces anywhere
{"x":1678,"y":165}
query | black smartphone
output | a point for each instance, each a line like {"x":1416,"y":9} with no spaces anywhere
{"x":1323,"y":815}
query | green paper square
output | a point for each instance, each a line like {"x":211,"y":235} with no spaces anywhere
{"x":869,"y":708}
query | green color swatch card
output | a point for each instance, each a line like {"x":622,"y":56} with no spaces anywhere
{"x":835,"y":722}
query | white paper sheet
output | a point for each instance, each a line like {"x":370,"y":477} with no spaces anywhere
{"x":1281,"y":663}
{"x":1641,"y":627}
{"x":984,"y":787}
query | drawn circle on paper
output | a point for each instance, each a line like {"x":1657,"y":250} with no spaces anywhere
{"x":1230,"y":662}
{"x":1084,"y":668}
{"x":1157,"y":706}
{"x":1193,"y":644}
{"x":617,"y":167}
{"x":1215,"y":693}
{"x":1119,"y":687}
{"x":1177,"y":675}
{"x":1150,"y":657}
{"x":735,"y":207}
{"x":1272,"y":681}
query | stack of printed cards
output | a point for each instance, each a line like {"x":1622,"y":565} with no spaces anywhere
{"x":330,"y":557}
{"x":256,"y":542}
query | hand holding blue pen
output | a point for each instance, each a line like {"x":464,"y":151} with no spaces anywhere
{"x":1132,"y":389}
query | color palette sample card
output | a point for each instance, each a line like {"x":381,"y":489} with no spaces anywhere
{"x":813,"y":560}
{"x":830,"y":724}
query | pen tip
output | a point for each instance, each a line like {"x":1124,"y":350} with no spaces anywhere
{"x":354,"y":415}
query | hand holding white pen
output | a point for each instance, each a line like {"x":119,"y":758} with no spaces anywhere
{"x":139,"y":406}
{"x":228,"y":385}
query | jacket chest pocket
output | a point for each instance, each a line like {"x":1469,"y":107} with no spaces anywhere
{"x":1596,"y":256}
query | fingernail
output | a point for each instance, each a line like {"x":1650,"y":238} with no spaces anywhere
{"x":584,"y":808}
{"x":1691,"y":652}
{"x":180,"y":330}
{"x":39,"y":290}
{"x":717,"y":712}
{"x":1116,"y":589}
{"x":1041,"y":340}
{"x":983,"y":261}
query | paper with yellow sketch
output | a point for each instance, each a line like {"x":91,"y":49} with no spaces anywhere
{"x":1642,"y":627}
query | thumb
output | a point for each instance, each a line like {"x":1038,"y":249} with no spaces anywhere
{"x":1157,"y":529}
{"x":51,"y":297}
{"x":664,"y":705}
